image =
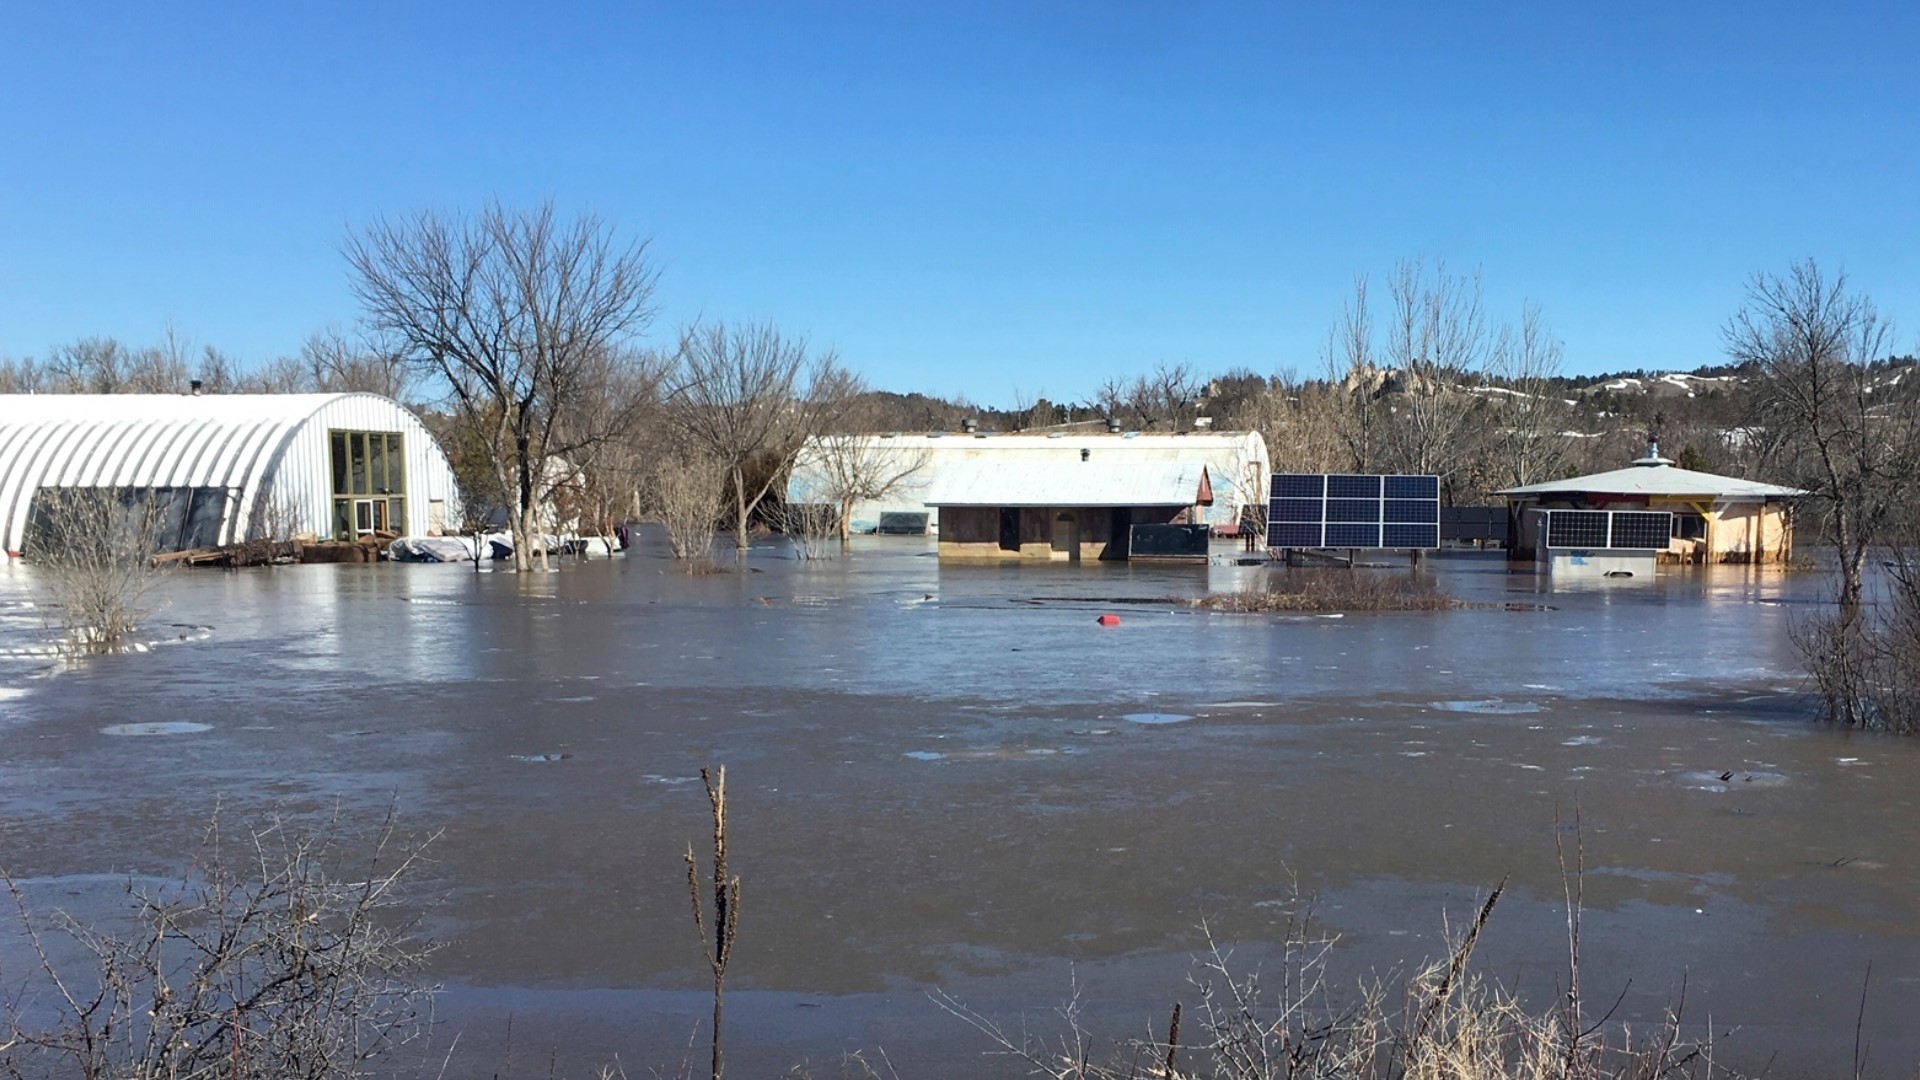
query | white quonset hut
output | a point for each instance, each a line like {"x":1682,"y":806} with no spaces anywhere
{"x":1236,"y":463}
{"x":225,"y":468}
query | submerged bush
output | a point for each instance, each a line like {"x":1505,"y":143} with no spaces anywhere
{"x":92,"y":551}
{"x":1335,"y":589}
{"x":282,"y":953}
{"x":1865,"y":659}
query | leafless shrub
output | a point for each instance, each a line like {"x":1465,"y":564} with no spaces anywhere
{"x":1328,"y":590}
{"x":685,"y":490}
{"x":92,"y":548}
{"x":1443,"y":1022}
{"x":810,"y":526}
{"x":273,"y":529}
{"x":1865,"y":661}
{"x":283,"y":955}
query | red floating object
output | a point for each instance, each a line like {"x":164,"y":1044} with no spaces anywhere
{"x":1109,"y":620}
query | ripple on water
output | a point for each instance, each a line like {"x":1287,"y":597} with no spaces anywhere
{"x":1709,"y":780}
{"x":1155,"y":717}
{"x":924,"y":755}
{"x":1489,"y":707}
{"x":157,"y":727}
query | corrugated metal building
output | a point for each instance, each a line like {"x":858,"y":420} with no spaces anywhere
{"x":1066,"y":511}
{"x":226,"y":468}
{"x":1237,"y":463}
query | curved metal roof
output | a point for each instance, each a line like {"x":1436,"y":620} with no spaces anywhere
{"x":231,"y":441}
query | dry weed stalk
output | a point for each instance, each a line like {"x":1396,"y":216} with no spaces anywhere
{"x":1443,"y":1022}
{"x":726,"y":902}
{"x":264,"y":963}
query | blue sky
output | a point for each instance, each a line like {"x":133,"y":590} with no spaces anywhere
{"x":972,"y":198}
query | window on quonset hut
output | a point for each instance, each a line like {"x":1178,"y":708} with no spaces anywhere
{"x":368,"y":468}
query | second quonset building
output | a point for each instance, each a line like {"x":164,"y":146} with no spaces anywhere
{"x":226,"y":468}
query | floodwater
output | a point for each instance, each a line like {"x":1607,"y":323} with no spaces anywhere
{"x":954,"y":778}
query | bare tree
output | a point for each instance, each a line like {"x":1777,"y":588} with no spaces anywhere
{"x":843,"y":469}
{"x":92,"y":548}
{"x":279,"y":957}
{"x":1849,"y":437}
{"x":748,"y":396}
{"x":22,"y":376}
{"x":1533,"y":416}
{"x":511,"y":314}
{"x":1436,"y":342}
{"x":1168,"y":397}
{"x":1850,"y":442}
{"x":281,"y":375}
{"x":104,"y":366}
{"x":334,"y":364}
{"x":1354,"y":375}
{"x":607,"y":475}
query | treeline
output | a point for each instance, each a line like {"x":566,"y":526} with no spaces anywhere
{"x":525,"y":342}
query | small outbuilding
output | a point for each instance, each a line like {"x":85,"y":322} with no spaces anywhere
{"x":228,"y":468}
{"x":1067,"y":511}
{"x":1715,"y":519}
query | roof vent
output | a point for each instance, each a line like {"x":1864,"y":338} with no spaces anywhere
{"x":969,"y":425}
{"x":193,"y":387}
{"x":1653,"y":457}
{"x":1113,"y":426}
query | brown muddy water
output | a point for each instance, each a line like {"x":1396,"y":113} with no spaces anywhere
{"x":940,"y":781}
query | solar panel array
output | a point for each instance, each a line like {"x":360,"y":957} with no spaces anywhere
{"x":1638,"y":530}
{"x":1347,"y":510}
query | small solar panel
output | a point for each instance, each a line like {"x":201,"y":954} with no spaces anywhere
{"x":1353,"y":487}
{"x":1282,"y":534}
{"x":1350,"y":534}
{"x":1413,"y":487}
{"x":1410,"y":536}
{"x":1299,"y":486}
{"x":1353,"y":510}
{"x":1411,"y":511}
{"x":1577,"y":528}
{"x":1641,"y":529}
{"x":1296,"y":510}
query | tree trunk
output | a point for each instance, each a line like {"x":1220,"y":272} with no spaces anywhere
{"x":740,"y":508}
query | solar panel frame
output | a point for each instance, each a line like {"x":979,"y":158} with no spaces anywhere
{"x":1412,"y":487}
{"x":1299,"y":486}
{"x":1353,"y":510}
{"x":1577,"y":528}
{"x":1647,"y":530}
{"x":1353,"y":486}
{"x":1618,"y":530}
